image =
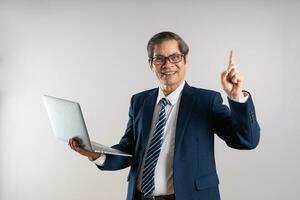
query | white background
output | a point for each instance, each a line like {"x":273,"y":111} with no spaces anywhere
{"x":94,"y":52}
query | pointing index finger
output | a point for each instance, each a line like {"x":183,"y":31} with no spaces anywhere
{"x":231,"y":59}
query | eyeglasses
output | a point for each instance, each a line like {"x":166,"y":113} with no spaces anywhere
{"x":161,"y":60}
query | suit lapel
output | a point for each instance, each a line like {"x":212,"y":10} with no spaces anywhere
{"x":185,"y":108}
{"x":184,"y":112}
{"x":148,"y":109}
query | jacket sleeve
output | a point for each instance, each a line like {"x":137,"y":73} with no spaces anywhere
{"x":126,"y":144}
{"x":237,"y":126}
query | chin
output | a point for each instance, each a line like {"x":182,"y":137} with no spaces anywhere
{"x":170,"y":83}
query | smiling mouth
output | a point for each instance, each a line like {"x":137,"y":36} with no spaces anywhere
{"x":168,"y":73}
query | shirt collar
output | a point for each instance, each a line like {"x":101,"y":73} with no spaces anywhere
{"x":172,"y":97}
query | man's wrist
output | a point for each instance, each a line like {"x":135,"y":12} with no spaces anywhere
{"x":94,"y":157}
{"x":100,"y":161}
{"x":242,"y":99}
{"x":237,"y":96}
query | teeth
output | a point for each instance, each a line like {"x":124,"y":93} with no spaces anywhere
{"x":168,"y":73}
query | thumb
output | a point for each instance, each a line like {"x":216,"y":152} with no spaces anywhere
{"x":237,"y":88}
{"x":224,"y":76}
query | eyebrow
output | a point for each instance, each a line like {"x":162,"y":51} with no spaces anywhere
{"x":165,"y":56}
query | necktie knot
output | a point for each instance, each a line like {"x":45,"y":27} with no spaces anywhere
{"x":164,"y":102}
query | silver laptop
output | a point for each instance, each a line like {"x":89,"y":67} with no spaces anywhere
{"x":67,"y":122}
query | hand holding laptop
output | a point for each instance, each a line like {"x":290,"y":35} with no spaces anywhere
{"x":68,"y":125}
{"x":74,"y":144}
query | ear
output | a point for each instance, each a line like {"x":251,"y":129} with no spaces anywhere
{"x":150,"y":64}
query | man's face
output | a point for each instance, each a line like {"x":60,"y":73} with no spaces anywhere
{"x":169,"y":74}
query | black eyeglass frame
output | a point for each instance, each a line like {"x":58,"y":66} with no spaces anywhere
{"x":165,"y":58}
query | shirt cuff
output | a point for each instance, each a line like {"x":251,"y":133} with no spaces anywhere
{"x":100,"y":161}
{"x":243,"y":99}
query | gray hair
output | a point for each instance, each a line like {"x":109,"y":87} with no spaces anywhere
{"x":163,"y":36}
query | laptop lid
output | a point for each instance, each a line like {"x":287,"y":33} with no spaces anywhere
{"x":67,"y":121}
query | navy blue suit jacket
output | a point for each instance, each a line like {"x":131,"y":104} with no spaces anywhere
{"x":201,"y":115}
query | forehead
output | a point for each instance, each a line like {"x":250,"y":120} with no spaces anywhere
{"x":166,"y":48}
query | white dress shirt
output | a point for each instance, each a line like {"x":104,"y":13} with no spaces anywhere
{"x":163,"y":181}
{"x":163,"y":175}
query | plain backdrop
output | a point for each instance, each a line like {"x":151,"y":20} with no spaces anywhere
{"x":94,"y":52}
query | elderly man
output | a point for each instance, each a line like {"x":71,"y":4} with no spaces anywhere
{"x":170,"y":132}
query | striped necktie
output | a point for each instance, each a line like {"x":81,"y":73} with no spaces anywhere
{"x":154,"y":151}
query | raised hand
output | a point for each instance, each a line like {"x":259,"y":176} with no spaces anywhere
{"x":232,"y":80}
